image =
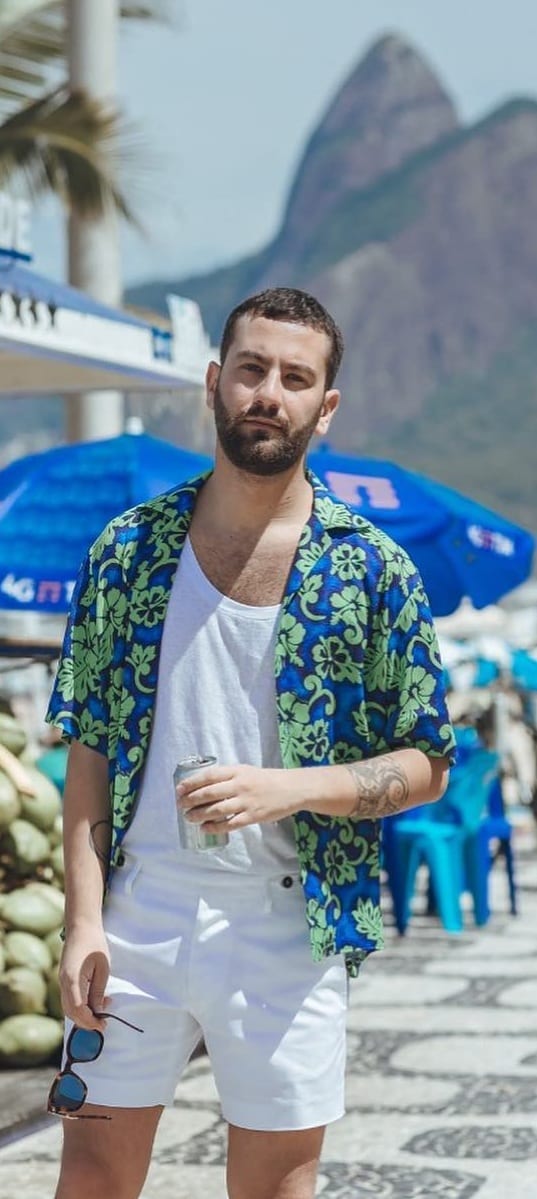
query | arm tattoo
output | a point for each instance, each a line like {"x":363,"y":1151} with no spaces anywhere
{"x":99,"y":837}
{"x":381,"y":788}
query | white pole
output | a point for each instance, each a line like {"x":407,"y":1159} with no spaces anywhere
{"x":94,"y":253}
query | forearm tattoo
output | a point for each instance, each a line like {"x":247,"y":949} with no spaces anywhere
{"x":99,"y":837}
{"x":381,"y":788}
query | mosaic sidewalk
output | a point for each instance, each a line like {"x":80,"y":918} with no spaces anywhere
{"x":442,"y":1076}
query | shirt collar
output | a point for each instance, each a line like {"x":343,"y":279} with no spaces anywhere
{"x":330,"y":512}
{"x":328,"y":517}
{"x":327,"y":513}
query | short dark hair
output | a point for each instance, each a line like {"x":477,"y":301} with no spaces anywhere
{"x":297,"y":307}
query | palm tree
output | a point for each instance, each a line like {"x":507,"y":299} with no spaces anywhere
{"x":52,"y":139}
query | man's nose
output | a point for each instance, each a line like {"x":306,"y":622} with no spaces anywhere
{"x":270,"y":389}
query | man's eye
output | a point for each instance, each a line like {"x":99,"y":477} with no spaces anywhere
{"x":296,"y":380}
{"x":252,"y":367}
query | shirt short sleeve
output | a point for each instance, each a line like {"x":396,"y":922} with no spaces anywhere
{"x":78,"y":703}
{"x":417,"y":713}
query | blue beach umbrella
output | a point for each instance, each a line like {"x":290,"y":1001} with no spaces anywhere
{"x":460,"y":548}
{"x":54,"y":504}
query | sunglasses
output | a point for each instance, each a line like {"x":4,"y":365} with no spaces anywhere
{"x":68,"y":1091}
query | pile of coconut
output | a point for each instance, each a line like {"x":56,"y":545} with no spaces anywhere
{"x":31,"y":905}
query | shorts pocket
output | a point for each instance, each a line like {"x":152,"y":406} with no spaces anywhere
{"x":284,"y":893}
{"x":126,"y":874}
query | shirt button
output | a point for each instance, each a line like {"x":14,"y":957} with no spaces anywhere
{"x":121,"y":859}
{"x":287,"y":881}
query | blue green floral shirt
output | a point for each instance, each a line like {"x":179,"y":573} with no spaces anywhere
{"x":357,"y":672}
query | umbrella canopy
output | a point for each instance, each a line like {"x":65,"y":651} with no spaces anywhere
{"x":53,"y":505}
{"x":54,"y":338}
{"x":460,"y":548}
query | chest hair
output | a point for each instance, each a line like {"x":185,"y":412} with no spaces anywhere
{"x":249,"y":574}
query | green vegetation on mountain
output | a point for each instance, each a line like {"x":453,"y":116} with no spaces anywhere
{"x":440,"y":370}
{"x":474,"y":434}
{"x":212,"y":291}
{"x":372,"y":214}
{"x":380,"y":212}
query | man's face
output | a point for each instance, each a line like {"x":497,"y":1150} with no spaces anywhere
{"x":269,"y":395}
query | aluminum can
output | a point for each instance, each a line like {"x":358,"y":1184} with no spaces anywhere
{"x":191,"y":835}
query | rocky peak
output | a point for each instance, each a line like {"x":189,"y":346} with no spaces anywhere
{"x":390,"y":87}
{"x":389,"y":108}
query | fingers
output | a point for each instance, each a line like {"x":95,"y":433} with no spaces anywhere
{"x":245,"y":795}
{"x":99,"y":979}
{"x":203,"y":794}
{"x":239,"y":820}
{"x":218,"y":801}
{"x":82,"y":991}
{"x":215,"y":813}
{"x":79,"y":1012}
{"x":83,"y":1017}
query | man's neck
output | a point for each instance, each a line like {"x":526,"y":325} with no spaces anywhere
{"x":236,"y":501}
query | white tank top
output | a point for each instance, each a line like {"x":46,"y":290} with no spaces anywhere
{"x":215,"y":695}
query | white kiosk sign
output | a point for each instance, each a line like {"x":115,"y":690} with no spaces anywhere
{"x":15,"y":226}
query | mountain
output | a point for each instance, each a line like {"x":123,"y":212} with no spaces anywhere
{"x":419,"y":235}
{"x":389,"y":109}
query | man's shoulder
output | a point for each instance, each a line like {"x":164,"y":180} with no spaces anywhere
{"x":344,"y":524}
{"x":170,"y":510}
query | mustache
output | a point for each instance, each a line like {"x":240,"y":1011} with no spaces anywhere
{"x":257,"y":412}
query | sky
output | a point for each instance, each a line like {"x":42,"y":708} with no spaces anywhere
{"x":226,"y":97}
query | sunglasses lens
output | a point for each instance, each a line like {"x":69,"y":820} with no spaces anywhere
{"x":68,"y":1093}
{"x":85,"y":1044}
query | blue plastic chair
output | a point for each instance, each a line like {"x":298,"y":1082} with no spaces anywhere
{"x":413,"y":838}
{"x":452,"y":838}
{"x":494,"y":826}
{"x":479,"y":858}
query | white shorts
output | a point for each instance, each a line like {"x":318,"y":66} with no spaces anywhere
{"x":227,"y":959}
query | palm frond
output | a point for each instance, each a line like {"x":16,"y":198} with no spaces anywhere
{"x":73,"y":146}
{"x":15,"y":12}
{"x":158,"y":10}
{"x":27,"y":52}
{"x":33,"y":38}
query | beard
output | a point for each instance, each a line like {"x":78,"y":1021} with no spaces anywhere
{"x":260,"y":451}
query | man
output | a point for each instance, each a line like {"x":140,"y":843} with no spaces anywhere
{"x":293,"y":642}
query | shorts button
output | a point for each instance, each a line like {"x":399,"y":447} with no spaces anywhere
{"x":287,"y":881}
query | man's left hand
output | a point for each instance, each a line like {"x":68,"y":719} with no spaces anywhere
{"x":240,"y":795}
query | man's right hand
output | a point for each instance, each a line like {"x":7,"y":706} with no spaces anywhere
{"x":83,"y":975}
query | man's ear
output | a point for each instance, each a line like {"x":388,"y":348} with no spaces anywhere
{"x":211,"y":383}
{"x":329,"y":407}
